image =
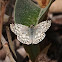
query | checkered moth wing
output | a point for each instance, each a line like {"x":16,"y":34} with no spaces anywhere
{"x":22,"y":33}
{"x":39,"y":31}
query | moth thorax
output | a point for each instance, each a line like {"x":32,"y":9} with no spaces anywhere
{"x":32,"y":26}
{"x":31,"y":29}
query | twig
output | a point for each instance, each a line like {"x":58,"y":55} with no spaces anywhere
{"x":3,"y":41}
{"x":5,"y":46}
{"x":3,"y":7}
{"x":10,"y":40}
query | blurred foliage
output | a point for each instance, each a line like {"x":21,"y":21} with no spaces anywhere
{"x":28,"y":13}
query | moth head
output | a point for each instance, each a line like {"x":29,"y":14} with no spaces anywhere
{"x":31,"y":26}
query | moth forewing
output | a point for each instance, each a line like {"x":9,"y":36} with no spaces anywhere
{"x":13,"y":28}
{"x":40,"y":30}
{"x":44,"y":26}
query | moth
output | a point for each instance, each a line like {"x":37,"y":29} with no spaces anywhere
{"x":31,"y":35}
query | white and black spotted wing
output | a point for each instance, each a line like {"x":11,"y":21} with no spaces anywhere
{"x":22,"y":33}
{"x":27,"y":35}
{"x":39,"y":31}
